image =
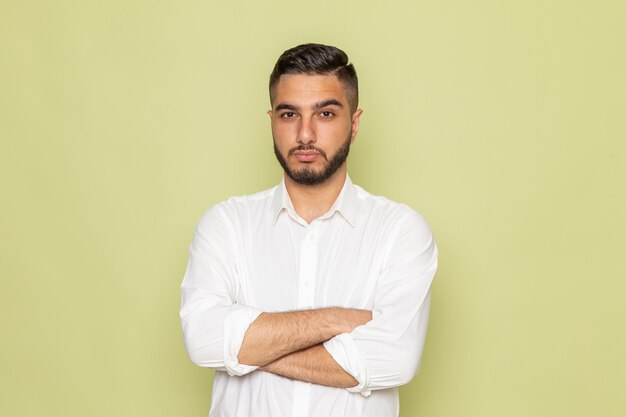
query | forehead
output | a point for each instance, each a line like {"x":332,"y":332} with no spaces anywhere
{"x":306,"y":89}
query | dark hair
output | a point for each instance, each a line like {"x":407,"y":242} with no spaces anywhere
{"x":313,"y":58}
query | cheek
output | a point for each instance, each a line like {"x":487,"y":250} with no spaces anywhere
{"x":283,"y":138}
{"x":335,"y":131}
{"x":283,"y":131}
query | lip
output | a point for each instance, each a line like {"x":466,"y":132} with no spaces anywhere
{"x":306,"y":156}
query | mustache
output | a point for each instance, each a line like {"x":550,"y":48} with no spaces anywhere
{"x":307,"y":148}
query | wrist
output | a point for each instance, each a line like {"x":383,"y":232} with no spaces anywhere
{"x":344,"y":320}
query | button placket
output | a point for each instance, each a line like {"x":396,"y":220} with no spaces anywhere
{"x":308,"y":269}
{"x":306,"y":299}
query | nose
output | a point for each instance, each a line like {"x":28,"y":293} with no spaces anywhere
{"x":306,"y":132}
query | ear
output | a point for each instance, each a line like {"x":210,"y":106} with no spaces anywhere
{"x":356,"y":118}
{"x":270,"y":113}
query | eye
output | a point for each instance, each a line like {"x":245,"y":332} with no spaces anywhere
{"x":288,"y":115}
{"x":326,"y":114}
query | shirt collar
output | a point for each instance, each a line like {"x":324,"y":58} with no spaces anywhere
{"x":345,"y":203}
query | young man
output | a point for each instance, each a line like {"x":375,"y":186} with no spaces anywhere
{"x":310,"y":298}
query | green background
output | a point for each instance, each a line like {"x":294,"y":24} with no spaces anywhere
{"x":502,"y":122}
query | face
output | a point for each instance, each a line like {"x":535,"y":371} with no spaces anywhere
{"x":312,"y":126}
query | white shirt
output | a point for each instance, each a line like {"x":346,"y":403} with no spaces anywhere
{"x":255,"y":254}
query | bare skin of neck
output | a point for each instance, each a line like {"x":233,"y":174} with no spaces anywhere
{"x":312,"y":201}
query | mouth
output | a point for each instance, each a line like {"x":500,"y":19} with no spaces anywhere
{"x":306,"y":156}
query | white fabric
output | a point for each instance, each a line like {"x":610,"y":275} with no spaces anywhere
{"x":254,"y":253}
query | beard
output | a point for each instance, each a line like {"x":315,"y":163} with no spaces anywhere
{"x":308,"y":176}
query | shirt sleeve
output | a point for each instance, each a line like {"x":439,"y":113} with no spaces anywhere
{"x":386,"y":352}
{"x":213,"y":322}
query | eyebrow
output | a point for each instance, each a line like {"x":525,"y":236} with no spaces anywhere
{"x":325,"y":103}
{"x":316,"y":106}
{"x":286,"y":106}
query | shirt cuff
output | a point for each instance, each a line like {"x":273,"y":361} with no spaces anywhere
{"x":344,"y":351}
{"x":236,"y":324}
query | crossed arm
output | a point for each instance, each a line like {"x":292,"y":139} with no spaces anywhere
{"x":290,"y":344}
{"x":379,"y":349}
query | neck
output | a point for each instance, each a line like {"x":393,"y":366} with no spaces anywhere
{"x":312,"y":201}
